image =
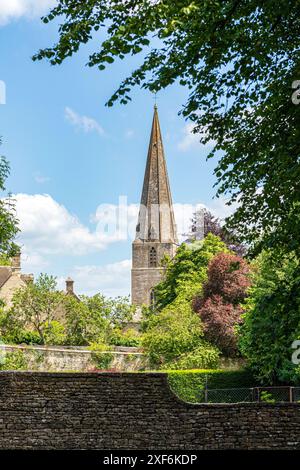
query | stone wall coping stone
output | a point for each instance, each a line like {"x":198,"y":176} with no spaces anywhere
{"x":66,"y":350}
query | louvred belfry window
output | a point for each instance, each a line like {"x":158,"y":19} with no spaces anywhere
{"x":152,"y":257}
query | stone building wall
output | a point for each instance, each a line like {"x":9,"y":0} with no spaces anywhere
{"x":144,"y":277}
{"x":14,"y":283}
{"x":142,"y":282}
{"x":131,"y":411}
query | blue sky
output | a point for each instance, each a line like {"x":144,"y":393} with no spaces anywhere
{"x":70,"y":154}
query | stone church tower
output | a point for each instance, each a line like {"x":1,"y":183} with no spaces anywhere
{"x":156,"y":233}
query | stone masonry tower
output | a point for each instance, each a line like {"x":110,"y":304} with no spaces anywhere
{"x":156,"y":233}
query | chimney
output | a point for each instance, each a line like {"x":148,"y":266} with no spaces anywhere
{"x":16,"y":263}
{"x":69,"y":286}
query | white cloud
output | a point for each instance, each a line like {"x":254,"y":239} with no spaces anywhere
{"x":48,"y":228}
{"x":220,"y":209}
{"x":111,"y":279}
{"x":118,"y":219}
{"x":33,"y":262}
{"x":14,"y":9}
{"x":184,"y":213}
{"x":114,"y":279}
{"x":49,"y":232}
{"x":122,"y":218}
{"x":190,"y":140}
{"x":85,"y":123}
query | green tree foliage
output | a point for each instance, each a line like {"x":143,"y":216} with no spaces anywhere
{"x":239,"y":60}
{"x":35,"y":306}
{"x":187,"y":271}
{"x":13,"y":330}
{"x":40,"y":314}
{"x":272,"y":318}
{"x":77,"y":320}
{"x":175,"y":332}
{"x":8,"y":221}
{"x":87,"y":321}
{"x":95,"y":319}
{"x":55,"y":333}
{"x":204,"y":356}
{"x":130,"y":337}
{"x":204,"y":277}
{"x":117,"y":311}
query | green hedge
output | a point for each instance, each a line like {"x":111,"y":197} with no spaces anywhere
{"x":187,"y":384}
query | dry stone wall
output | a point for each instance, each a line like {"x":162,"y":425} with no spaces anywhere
{"x":62,"y":359}
{"x":131,"y":411}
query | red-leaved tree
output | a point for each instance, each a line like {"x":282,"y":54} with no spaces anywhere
{"x":219,"y":307}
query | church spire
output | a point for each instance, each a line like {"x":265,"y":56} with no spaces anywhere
{"x":156,"y":230}
{"x":156,"y":217}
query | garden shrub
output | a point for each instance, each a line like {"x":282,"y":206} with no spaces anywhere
{"x":174,"y":331}
{"x":21,"y":336}
{"x":128,"y":338}
{"x":204,"y":356}
{"x":188,"y":384}
{"x":55,"y":334}
{"x":101,"y":358}
{"x":267,"y":397}
{"x":15,"y":360}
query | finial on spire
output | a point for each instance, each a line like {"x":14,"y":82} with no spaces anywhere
{"x":155,"y":100}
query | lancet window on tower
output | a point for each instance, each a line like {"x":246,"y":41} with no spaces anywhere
{"x":152,"y":298}
{"x":152,"y":257}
